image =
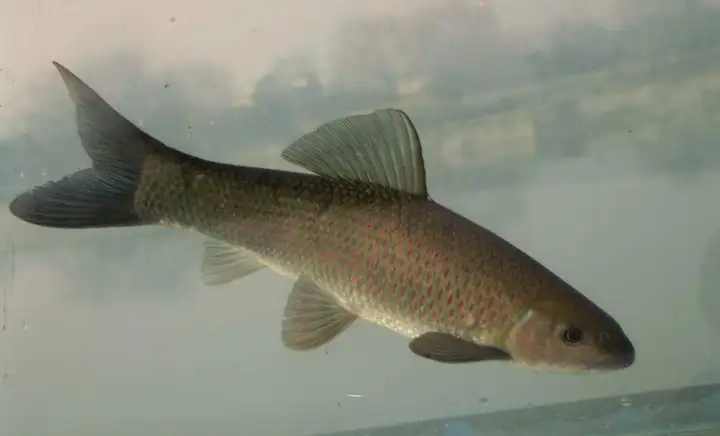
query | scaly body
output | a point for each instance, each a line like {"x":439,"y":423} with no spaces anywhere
{"x":401,"y":261}
{"x":361,"y":237}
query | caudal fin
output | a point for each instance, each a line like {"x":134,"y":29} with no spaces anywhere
{"x":101,"y":196}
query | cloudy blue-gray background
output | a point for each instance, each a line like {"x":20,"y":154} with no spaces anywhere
{"x":587,"y":134}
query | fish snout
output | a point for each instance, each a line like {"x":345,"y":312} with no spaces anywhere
{"x":623,"y":355}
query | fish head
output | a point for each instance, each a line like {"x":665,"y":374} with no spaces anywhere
{"x":569,"y":335}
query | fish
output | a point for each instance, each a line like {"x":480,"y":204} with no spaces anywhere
{"x":357,"y":231}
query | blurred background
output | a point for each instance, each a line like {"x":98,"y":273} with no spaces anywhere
{"x":584,"y":132}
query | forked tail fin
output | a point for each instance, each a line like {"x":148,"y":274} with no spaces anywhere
{"x":101,"y":196}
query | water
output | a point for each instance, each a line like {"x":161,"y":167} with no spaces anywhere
{"x":687,"y":411}
{"x":585,"y":134}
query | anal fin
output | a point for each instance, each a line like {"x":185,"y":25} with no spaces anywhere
{"x":446,"y":348}
{"x":223,"y":263}
{"x":312,"y":317}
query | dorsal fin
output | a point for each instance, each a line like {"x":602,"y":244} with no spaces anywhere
{"x":381,"y":147}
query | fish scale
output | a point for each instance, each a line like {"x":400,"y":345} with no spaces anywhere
{"x":358,"y":233}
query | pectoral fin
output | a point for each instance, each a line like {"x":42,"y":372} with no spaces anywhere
{"x":312,"y":317}
{"x":446,"y":348}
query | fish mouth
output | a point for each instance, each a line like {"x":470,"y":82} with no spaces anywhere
{"x":622,"y":357}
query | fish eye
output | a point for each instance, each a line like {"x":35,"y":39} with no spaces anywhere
{"x":572,"y":335}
